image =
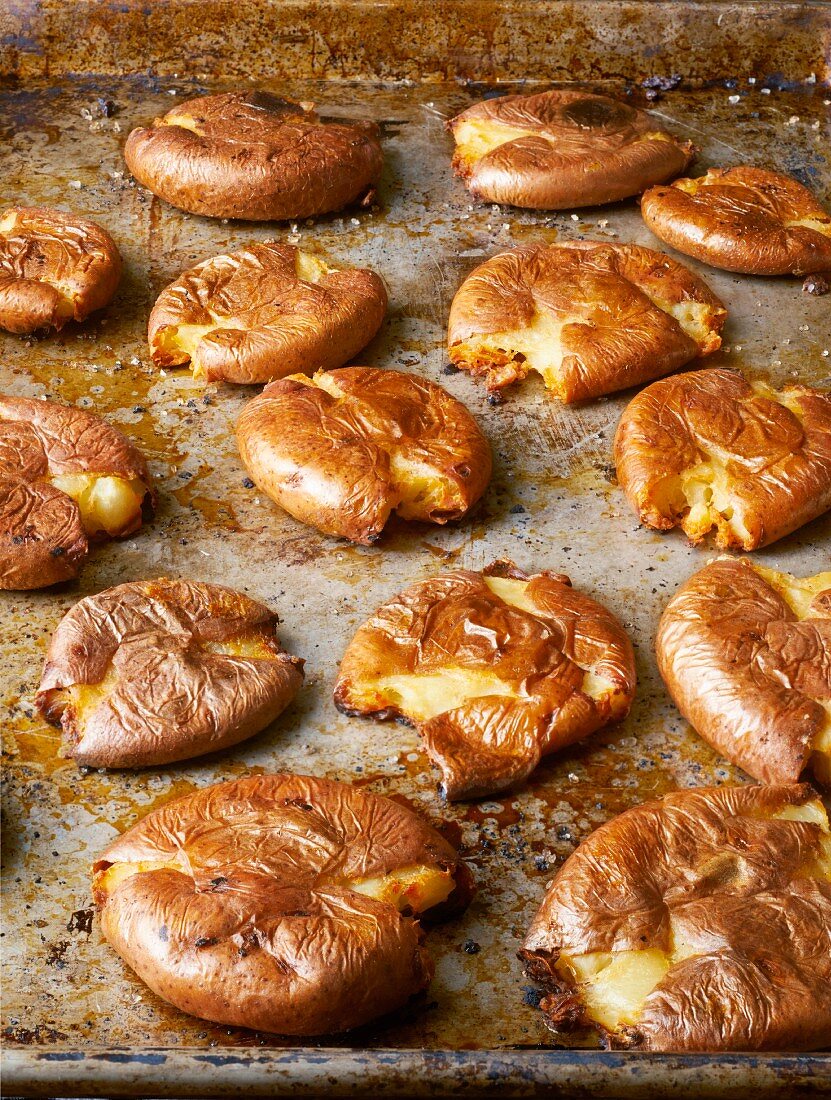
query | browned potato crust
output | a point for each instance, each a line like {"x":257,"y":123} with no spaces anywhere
{"x":562,"y":149}
{"x":710,"y":450}
{"x":66,"y":477}
{"x":743,"y":219}
{"x":256,"y":156}
{"x":279,"y":902}
{"x":591,"y":318}
{"x":746,"y":654}
{"x":151,"y":672}
{"x":265,"y":312}
{"x":54,"y":267}
{"x":495,"y":669}
{"x":700,"y":921}
{"x":342,"y":450}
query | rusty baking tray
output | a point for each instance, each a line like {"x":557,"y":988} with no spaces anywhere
{"x":755,"y":86}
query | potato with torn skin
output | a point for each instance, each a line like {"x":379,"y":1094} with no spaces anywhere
{"x":746,"y":654}
{"x":54,"y":267}
{"x":279,"y":902}
{"x":495,"y":669}
{"x":151,"y":672}
{"x":256,"y":156}
{"x":264,"y":312}
{"x":343,"y":450}
{"x":590,"y":318}
{"x":698,"y":922}
{"x":743,"y":219}
{"x":562,"y":149}
{"x":67,"y":478}
{"x":709,"y":450}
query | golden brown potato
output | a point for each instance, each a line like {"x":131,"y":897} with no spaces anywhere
{"x":590,"y":318}
{"x":561,"y":149}
{"x":343,"y":450}
{"x":256,"y":156}
{"x":279,"y":902}
{"x":495,"y":669}
{"x":708,"y":450}
{"x":151,"y":672}
{"x":746,"y":654}
{"x":66,"y":477}
{"x":265,"y":312}
{"x":743,"y":219}
{"x":700,"y":921}
{"x":54,"y":267}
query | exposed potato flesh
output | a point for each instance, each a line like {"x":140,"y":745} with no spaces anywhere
{"x":423,"y":696}
{"x":798,"y":592}
{"x":420,"y":487}
{"x":476,"y":137}
{"x":107,"y":881}
{"x":414,"y":888}
{"x":107,"y":503}
{"x":710,"y":502}
{"x":614,"y":987}
{"x":310,"y":268}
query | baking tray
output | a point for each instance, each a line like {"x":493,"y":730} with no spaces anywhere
{"x":76,"y":1021}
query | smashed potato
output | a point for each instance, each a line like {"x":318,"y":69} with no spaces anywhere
{"x":562,"y":149}
{"x":708,"y":450}
{"x":697,"y":922}
{"x":67,"y":477}
{"x":256,"y":156}
{"x":496,"y":669}
{"x":151,"y":672}
{"x":590,"y":318}
{"x":54,"y":267}
{"x":744,"y":651}
{"x":343,"y":450}
{"x":265,"y":312}
{"x":279,"y":902}
{"x":743,"y":219}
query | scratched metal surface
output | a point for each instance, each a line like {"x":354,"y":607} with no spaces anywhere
{"x":553,"y":504}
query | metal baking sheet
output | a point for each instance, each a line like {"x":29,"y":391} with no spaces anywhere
{"x":76,"y":1021}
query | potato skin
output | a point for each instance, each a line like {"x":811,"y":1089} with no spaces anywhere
{"x":255,"y":156}
{"x":492,"y":742}
{"x":744,"y":671}
{"x":617,"y":336}
{"x":587,"y":150}
{"x":263,"y":931}
{"x":780,"y":464}
{"x":275,"y":324}
{"x":738,"y":219}
{"x":708,"y":858}
{"x":41,"y":247}
{"x":42,"y":537}
{"x":172,"y":698}
{"x":325,"y":459}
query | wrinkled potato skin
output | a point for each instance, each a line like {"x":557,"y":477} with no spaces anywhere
{"x":745,"y":671}
{"x":276,"y":324}
{"x":493,"y":742}
{"x":780,"y":468}
{"x":256,"y":157}
{"x":42,"y":538}
{"x":587,"y":150}
{"x":623,"y":338}
{"x":763,"y":978}
{"x":46,"y":249}
{"x":172,"y":700}
{"x":263,"y":931}
{"x":738,"y":221}
{"x":325,"y":460}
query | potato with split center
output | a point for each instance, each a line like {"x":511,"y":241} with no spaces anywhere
{"x":698,"y":922}
{"x":495,"y":669}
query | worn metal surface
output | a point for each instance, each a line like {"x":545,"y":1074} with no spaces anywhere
{"x":417,"y":40}
{"x":553,"y":504}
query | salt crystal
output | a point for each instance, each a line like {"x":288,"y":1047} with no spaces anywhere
{"x":733,"y":99}
{"x":75,"y":185}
